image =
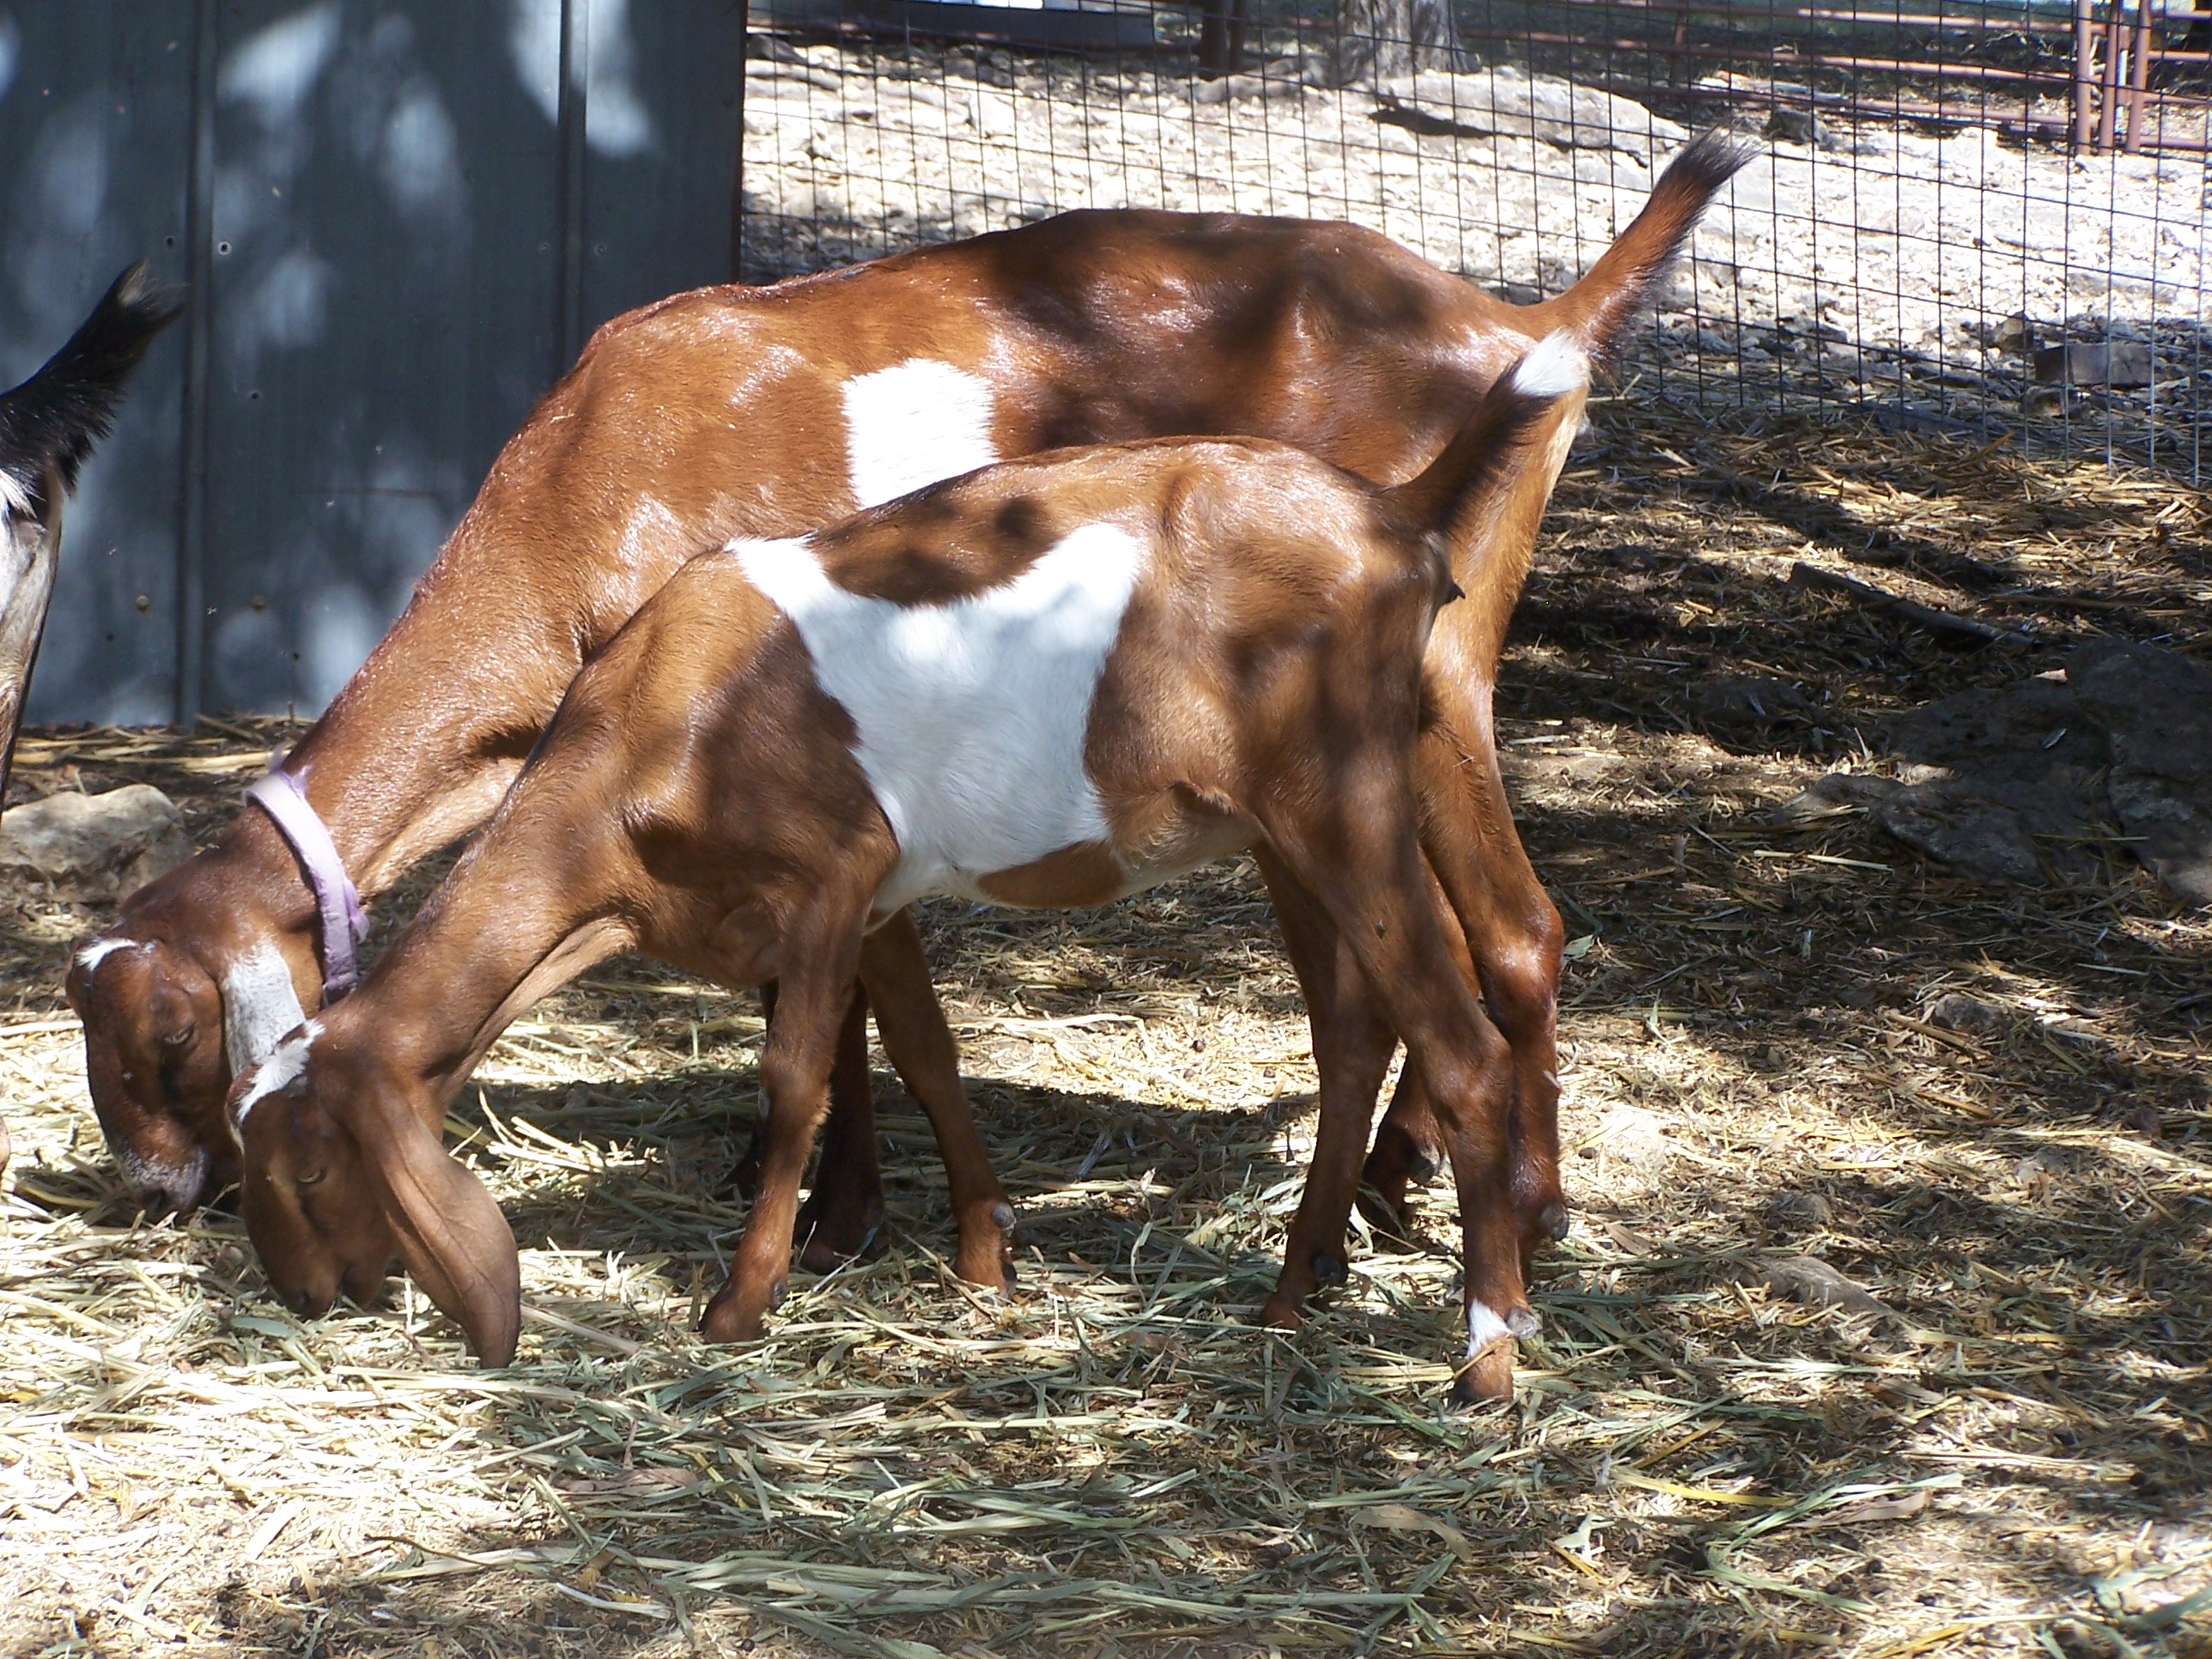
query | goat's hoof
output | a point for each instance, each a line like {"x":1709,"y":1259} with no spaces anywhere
{"x":1328,"y":1270}
{"x":1488,"y":1379}
{"x":1555,"y":1219}
{"x":1002,"y":1216}
{"x":1282,"y":1313}
{"x":1523,"y":1323}
{"x":1010,"y":1279}
{"x":725,"y":1321}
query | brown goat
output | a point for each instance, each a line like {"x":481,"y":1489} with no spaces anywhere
{"x":1048,"y":682}
{"x":724,"y":413}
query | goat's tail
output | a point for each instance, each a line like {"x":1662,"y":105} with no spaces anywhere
{"x":51,"y":422}
{"x":1598,"y":309}
{"x":1514,"y":414}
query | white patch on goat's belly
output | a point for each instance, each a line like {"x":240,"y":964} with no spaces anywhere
{"x":970,"y":713}
{"x":912,"y":424}
{"x":260,"y":1006}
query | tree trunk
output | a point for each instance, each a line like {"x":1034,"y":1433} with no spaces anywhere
{"x":1221,"y":38}
{"x":1377,"y":39}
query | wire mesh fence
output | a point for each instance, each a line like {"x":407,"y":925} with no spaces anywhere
{"x":1984,"y":217}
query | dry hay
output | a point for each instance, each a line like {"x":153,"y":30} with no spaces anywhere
{"x":1979,"y":1419}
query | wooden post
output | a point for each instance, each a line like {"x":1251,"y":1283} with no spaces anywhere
{"x":1221,"y":38}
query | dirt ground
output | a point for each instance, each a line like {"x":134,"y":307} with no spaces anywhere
{"x":1981,"y":1422}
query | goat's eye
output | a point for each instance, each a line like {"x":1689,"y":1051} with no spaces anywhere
{"x":178,"y":1039}
{"x":308,"y":1180}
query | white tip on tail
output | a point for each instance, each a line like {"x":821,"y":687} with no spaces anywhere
{"x":1557,"y":366}
{"x":279,"y":1071}
{"x":913,"y":424}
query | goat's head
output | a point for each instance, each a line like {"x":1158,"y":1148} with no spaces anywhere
{"x":343,"y":1168}
{"x":154,"y":1061}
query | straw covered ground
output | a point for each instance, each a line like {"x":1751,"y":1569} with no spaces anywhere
{"x":1876,"y":1336}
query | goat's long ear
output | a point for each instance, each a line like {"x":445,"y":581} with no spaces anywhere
{"x":452,"y":1235}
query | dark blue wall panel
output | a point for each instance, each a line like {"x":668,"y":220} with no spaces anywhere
{"x":404,"y":228}
{"x":94,"y":109}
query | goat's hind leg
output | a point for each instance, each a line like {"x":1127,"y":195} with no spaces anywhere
{"x":1377,"y":893}
{"x":1351,"y":1047}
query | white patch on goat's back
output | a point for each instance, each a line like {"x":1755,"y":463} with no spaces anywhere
{"x":283,"y":1066}
{"x":100,"y":950}
{"x":970,"y":713}
{"x":260,"y":1006}
{"x":912,"y":424}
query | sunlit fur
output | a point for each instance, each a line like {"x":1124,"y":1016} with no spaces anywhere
{"x":912,"y":424}
{"x":725,"y":412}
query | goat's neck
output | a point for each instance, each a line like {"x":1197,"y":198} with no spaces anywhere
{"x":397,"y":770}
{"x":522,"y":916}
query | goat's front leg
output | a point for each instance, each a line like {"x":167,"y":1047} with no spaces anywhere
{"x":920,"y":1043}
{"x":816,"y":995}
{"x":1351,"y":1046}
{"x":1512,"y":929}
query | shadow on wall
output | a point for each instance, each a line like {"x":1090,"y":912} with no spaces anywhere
{"x":406,"y":231}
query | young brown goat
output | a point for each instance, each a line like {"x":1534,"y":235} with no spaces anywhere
{"x":725,"y":413}
{"x":1048,"y":682}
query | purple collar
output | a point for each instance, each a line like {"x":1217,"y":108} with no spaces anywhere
{"x":285,"y":797}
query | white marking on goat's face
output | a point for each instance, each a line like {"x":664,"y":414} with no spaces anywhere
{"x":282,"y":1069}
{"x":100,"y":950}
{"x":1484,"y":1327}
{"x":260,"y":1006}
{"x":178,"y":1182}
{"x":912,"y":424}
{"x":1555,"y":366}
{"x":970,"y":713}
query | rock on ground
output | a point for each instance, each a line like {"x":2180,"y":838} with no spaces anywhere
{"x":96,"y":846}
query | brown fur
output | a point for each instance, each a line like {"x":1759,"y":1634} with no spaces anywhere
{"x":717,"y":413}
{"x":698,"y":798}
